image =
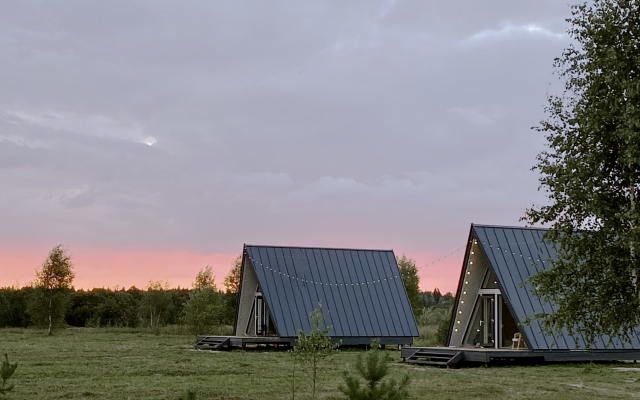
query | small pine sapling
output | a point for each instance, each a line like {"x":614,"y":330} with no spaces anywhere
{"x":373,"y":369}
{"x":314,"y":352}
{"x":5,"y":373}
{"x":191,"y":394}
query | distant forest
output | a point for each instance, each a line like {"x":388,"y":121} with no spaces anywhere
{"x":152,"y":307}
{"x":52,"y":301}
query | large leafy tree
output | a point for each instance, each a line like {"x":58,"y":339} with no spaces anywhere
{"x":232,"y":281}
{"x":53,"y":284}
{"x":591,"y":172}
{"x":411,"y":281}
{"x":205,"y":279}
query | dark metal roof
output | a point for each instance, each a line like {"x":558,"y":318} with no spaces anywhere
{"x":514,"y":254}
{"x":361,"y":291}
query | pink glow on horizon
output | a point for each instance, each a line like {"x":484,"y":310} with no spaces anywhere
{"x":102,"y":267}
{"x":97,"y":267}
{"x":443,"y":274}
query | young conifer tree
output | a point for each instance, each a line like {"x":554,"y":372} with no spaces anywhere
{"x":373,"y":369}
{"x":6,"y":371}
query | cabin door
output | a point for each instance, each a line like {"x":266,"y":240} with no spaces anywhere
{"x":488,"y":321}
{"x":485,"y":328}
{"x":261,"y":316}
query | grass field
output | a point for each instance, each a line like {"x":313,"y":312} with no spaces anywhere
{"x":129,"y":364}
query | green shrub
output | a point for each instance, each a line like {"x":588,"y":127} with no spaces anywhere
{"x":203,"y":311}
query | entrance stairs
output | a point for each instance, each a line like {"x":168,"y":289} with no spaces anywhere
{"x":213,"y":342}
{"x":432,"y":356}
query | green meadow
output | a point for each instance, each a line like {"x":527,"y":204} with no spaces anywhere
{"x":104,"y":363}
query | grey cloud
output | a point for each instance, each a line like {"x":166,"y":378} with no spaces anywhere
{"x":209,"y":124}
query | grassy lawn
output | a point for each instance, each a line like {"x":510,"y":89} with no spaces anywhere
{"x":127,"y":364}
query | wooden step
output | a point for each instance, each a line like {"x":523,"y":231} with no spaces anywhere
{"x":213,"y":343}
{"x":427,"y":357}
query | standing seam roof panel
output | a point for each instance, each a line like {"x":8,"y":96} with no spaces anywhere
{"x":283,"y":296}
{"x":402,"y":310}
{"x":527,"y":250}
{"x":506,"y":283}
{"x":338,"y":298}
{"x":378,"y":303}
{"x":377,"y":273}
{"x":361,"y":293}
{"x":352,"y":310}
{"x":382,"y":301}
{"x":289,"y":298}
{"x":302,"y":268}
{"x":330,"y":310}
{"x":541,"y":259}
{"x":293,"y":280}
{"x":356,"y":297}
{"x":519,"y":277}
{"x":273,"y":298}
{"x":302,"y":305}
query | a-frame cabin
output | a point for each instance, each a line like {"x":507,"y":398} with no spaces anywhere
{"x":361,"y":292}
{"x":494,"y":300}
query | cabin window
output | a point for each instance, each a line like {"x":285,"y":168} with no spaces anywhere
{"x":490,"y":281}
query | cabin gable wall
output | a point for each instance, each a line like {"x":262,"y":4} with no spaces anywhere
{"x":249,"y":285}
{"x":470,"y":282}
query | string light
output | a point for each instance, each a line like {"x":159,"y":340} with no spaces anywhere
{"x":497,"y":248}
{"x":387,"y":278}
{"x":443,"y":257}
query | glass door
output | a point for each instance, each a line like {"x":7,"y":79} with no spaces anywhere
{"x":484,"y":327}
{"x":260,"y":315}
{"x":488,"y":321}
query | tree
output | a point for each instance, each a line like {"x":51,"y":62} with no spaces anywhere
{"x":203,"y":311}
{"x":205,"y":279}
{"x":591,"y":172}
{"x":53,"y":282}
{"x":156,"y":303}
{"x":437,"y":295}
{"x":314,"y":352}
{"x":232,"y":281}
{"x":373,"y":369}
{"x":411,"y":281}
{"x":6,"y":370}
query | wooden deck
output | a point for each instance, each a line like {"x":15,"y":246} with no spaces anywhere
{"x":228,"y":342}
{"x":452,"y":356}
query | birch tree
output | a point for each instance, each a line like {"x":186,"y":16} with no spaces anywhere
{"x":590,"y":172}
{"x":53,"y":283}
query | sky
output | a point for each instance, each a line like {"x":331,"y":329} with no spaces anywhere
{"x":153,"y":138}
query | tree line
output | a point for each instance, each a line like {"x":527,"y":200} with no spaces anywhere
{"x":51,"y":301}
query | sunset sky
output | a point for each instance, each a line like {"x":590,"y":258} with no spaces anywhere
{"x":154,"y":138}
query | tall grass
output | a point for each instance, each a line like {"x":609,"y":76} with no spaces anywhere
{"x":223,"y":330}
{"x":433,"y":326}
